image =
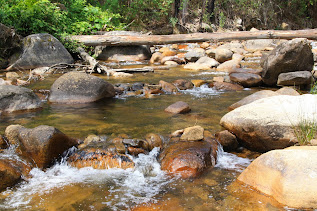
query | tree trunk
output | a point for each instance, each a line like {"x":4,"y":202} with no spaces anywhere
{"x":177,"y":4}
{"x":125,"y":40}
{"x":210,"y":10}
{"x":202,"y":14}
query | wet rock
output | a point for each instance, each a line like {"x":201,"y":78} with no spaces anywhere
{"x":179,"y":107}
{"x":194,"y":55}
{"x":287,"y":175}
{"x":41,"y":50}
{"x":124,"y":53}
{"x":195,"y":133}
{"x":154,"y":140}
{"x":41,"y":145}
{"x":295,"y":78}
{"x":182,"y":84}
{"x":223,"y":55}
{"x":156,"y":58}
{"x":227,"y":140}
{"x":135,"y":151}
{"x":90,"y":139}
{"x":11,"y":172}
{"x":167,"y":87}
{"x":287,"y":91}
{"x":14,"y":98}
{"x":229,"y":66}
{"x":224,"y":86}
{"x":118,"y":142}
{"x":269,"y":123}
{"x":75,"y":87}
{"x":187,"y":159}
{"x":99,"y":159}
{"x":3,"y":143}
{"x":246,"y":79}
{"x":291,"y":56}
{"x":198,"y":83}
{"x":253,"y":97}
{"x":137,"y":86}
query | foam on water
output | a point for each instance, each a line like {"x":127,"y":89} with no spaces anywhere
{"x":202,"y":91}
{"x":230,"y":161}
{"x":136,"y":185}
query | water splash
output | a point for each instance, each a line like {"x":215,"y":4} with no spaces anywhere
{"x":138,"y":185}
{"x":230,"y":161}
{"x":202,"y":91}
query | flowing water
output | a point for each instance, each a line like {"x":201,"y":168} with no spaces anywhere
{"x":62,"y":187}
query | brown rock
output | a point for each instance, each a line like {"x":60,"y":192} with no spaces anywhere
{"x":179,"y":107}
{"x":227,"y":140}
{"x":182,"y":84}
{"x":167,"y":87}
{"x":99,"y":159}
{"x":229,"y":66}
{"x":225,"y":86}
{"x":223,"y":55}
{"x":198,"y":83}
{"x":169,"y":53}
{"x":172,"y":59}
{"x":41,"y":145}
{"x":10,"y":174}
{"x":248,"y":70}
{"x":118,"y":142}
{"x":218,"y":79}
{"x":251,"y":98}
{"x":135,"y":151}
{"x":3,"y":143}
{"x":187,"y":159}
{"x":154,"y":140}
{"x":195,"y":133}
{"x":246,"y":79}
{"x":204,"y":45}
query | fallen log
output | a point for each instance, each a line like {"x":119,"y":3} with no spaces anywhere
{"x":94,"y":65}
{"x":134,"y":70}
{"x":124,"y":40}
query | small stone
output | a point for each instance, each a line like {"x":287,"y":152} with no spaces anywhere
{"x":223,"y":55}
{"x":182,"y":84}
{"x":218,"y":79}
{"x":154,"y":140}
{"x":156,"y":57}
{"x":227,"y":140}
{"x":179,"y":107}
{"x":198,"y":83}
{"x":167,"y":87}
{"x":194,"y":133}
{"x":224,"y":86}
{"x":171,"y":63}
{"x":135,"y":151}
{"x":13,"y":76}
{"x":177,"y":133}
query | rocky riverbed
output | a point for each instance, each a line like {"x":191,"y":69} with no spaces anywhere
{"x":154,"y":140}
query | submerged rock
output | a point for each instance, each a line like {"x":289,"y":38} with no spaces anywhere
{"x":40,"y":145}
{"x":269,"y":123}
{"x":291,"y":56}
{"x":41,"y":50}
{"x":15,"y":98}
{"x":288,"y":175}
{"x":75,"y":87}
{"x":179,"y":107}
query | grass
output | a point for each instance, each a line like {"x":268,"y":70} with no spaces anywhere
{"x":305,"y":131}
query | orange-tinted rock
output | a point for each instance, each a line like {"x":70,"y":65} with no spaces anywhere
{"x":187,"y":159}
{"x":225,"y":86}
{"x":179,"y":107}
{"x":198,"y":83}
{"x":99,"y":159}
{"x":135,"y":151}
{"x":169,"y":53}
{"x":156,"y":57}
{"x":41,"y":145}
{"x":183,"y":84}
{"x":167,"y":87}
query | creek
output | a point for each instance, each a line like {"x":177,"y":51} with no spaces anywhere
{"x":62,"y":187}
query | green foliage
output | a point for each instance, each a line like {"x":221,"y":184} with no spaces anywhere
{"x":305,"y":131}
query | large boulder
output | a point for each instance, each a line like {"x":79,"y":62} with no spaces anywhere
{"x":270,"y":123}
{"x":10,"y":43}
{"x":253,"y":97}
{"x":295,"y":78}
{"x":291,"y":56}
{"x":40,"y":145}
{"x":288,"y":175}
{"x":75,"y":87}
{"x":15,"y":98}
{"x":41,"y":50}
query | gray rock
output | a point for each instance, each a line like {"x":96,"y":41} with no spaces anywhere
{"x":295,"y":78}
{"x":210,"y":62}
{"x":75,"y":87}
{"x":246,"y":79}
{"x":259,"y":44}
{"x":291,"y":56}
{"x":223,"y":55}
{"x":41,"y":50}
{"x":125,"y":53}
{"x":194,"y":55}
{"x":15,"y":98}
{"x":40,"y":145}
